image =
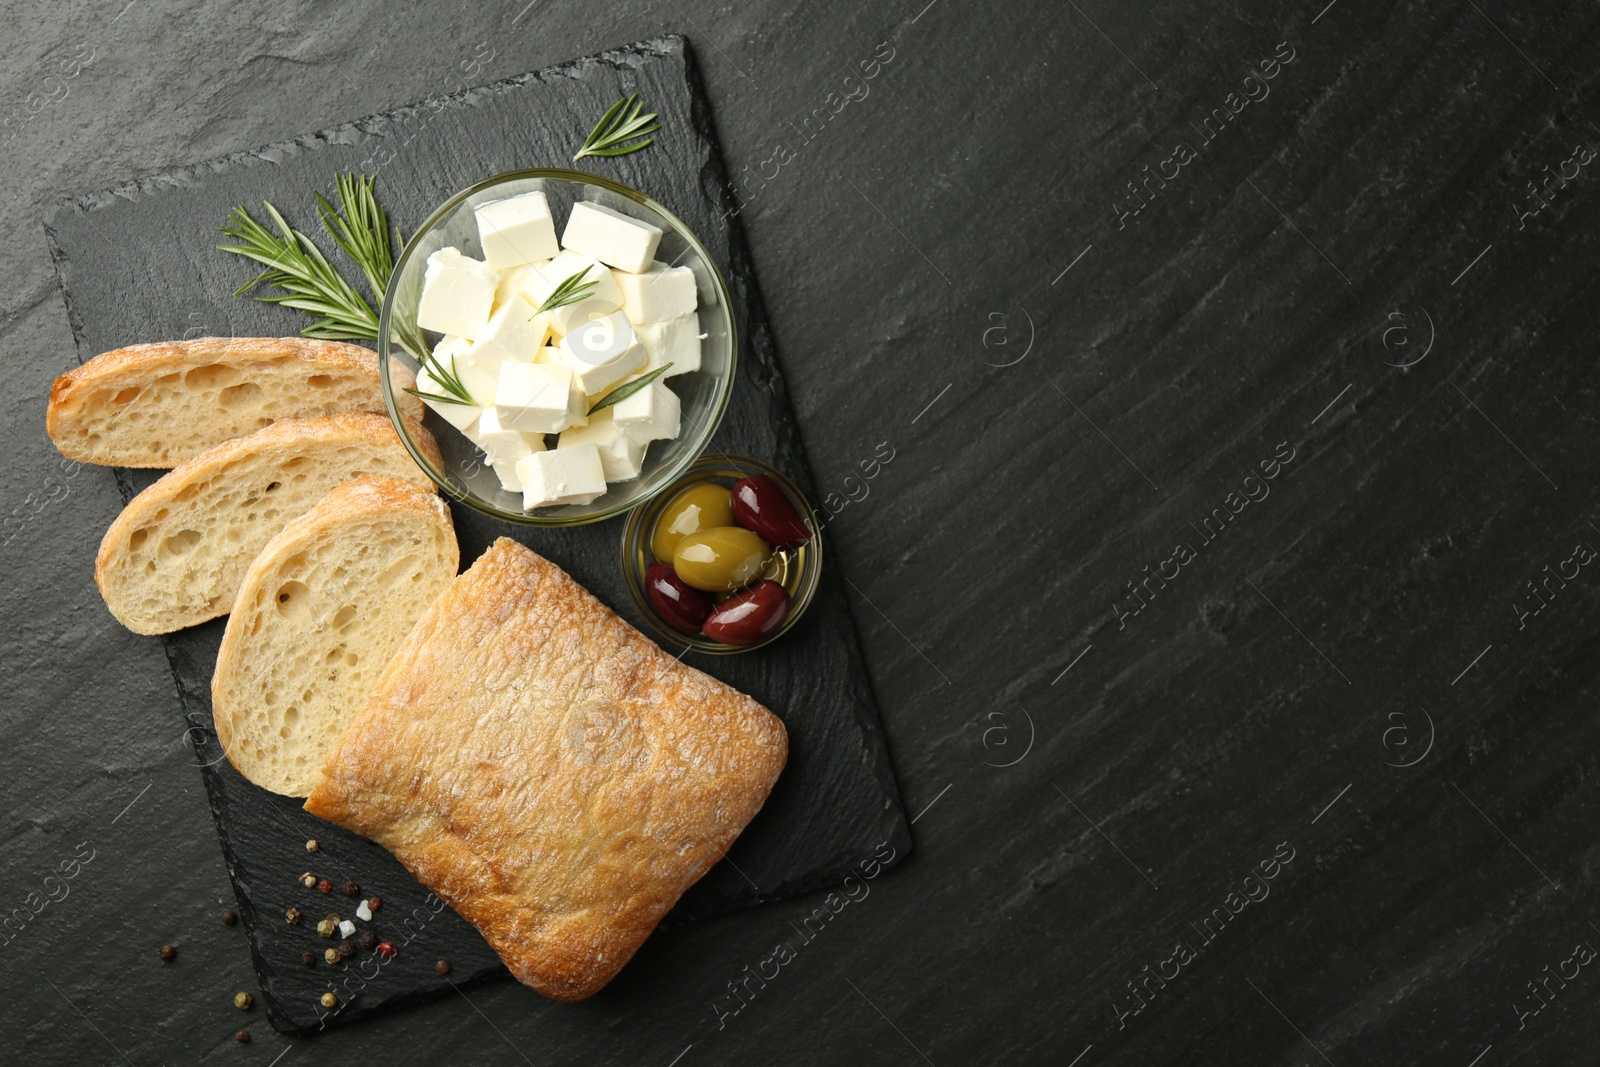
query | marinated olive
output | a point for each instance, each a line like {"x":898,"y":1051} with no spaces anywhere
{"x":748,"y":617}
{"x":759,"y":505}
{"x":701,"y":506}
{"x":681,"y":607}
{"x":721,"y":559}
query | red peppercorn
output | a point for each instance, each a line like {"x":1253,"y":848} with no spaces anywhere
{"x":387,"y":950}
{"x":242,"y":1036}
{"x":324,"y":886}
{"x":373,"y":904}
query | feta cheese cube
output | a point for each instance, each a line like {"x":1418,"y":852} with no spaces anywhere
{"x":533,"y":397}
{"x":662,"y":292}
{"x":568,"y":317}
{"x":601,"y":352}
{"x":497,"y":440}
{"x":504,"y":464}
{"x":549,"y":355}
{"x":621,"y":457}
{"x":651,"y":414}
{"x":613,"y":238}
{"x":462,"y":416}
{"x":511,"y":280}
{"x":457,"y":294}
{"x":538,"y":286}
{"x":675,"y":341}
{"x":478,"y":370}
{"x":516,"y":230}
{"x":515,"y":331}
{"x":563,"y":476}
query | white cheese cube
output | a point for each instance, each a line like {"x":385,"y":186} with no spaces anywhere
{"x":602,"y":352}
{"x":516,"y":230}
{"x":497,"y":440}
{"x":613,"y":238}
{"x":478,"y":370}
{"x":462,"y":416}
{"x":504,"y":464}
{"x":621,"y":457}
{"x":511,"y":280}
{"x":651,"y":414}
{"x":662,"y":292}
{"x":533,"y":397}
{"x":675,"y":341}
{"x":457,"y":294}
{"x":515,"y":331}
{"x":549,"y":355}
{"x":563,"y":476}
{"x":538,"y":286}
{"x":568,"y":317}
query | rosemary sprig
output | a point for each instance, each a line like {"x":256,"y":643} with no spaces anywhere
{"x":361,"y":227}
{"x":309,"y":282}
{"x":570,"y":291}
{"x":623,"y":392}
{"x":621,"y":122}
{"x":437,"y":372}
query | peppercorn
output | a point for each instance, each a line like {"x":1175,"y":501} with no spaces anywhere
{"x":326,"y":927}
{"x":324,"y":886}
{"x":334,"y":918}
{"x":229,"y":918}
{"x":308,"y":958}
{"x":351,"y":889}
{"x":368,"y":939}
{"x":443,"y":966}
{"x":293,"y":916}
{"x":331,"y":955}
{"x":345,"y":949}
{"x":243,"y":1001}
{"x":373,"y":903}
{"x":308,"y":880}
{"x":242,"y":1036}
{"x":312,"y":846}
{"x":386,"y":949}
{"x":167,"y":953}
{"x":329,"y":1000}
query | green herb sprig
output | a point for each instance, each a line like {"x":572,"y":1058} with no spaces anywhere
{"x":621,"y":123}
{"x":571,"y":290}
{"x":623,"y":392}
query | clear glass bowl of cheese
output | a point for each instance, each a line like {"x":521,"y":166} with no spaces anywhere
{"x":527,"y":300}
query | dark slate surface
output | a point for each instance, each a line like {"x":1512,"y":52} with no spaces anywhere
{"x":993,"y":149}
{"x":836,"y":801}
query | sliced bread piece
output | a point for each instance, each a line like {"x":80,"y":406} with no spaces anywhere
{"x":319,"y":614}
{"x":177,"y":553}
{"x":159,"y":405}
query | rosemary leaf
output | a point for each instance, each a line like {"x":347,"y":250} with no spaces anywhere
{"x":571,"y":290}
{"x":616,"y":132}
{"x":623,"y":392}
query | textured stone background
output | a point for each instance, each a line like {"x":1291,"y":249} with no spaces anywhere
{"x":1351,"y":674}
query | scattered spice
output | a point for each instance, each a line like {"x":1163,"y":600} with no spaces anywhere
{"x":345,"y":949}
{"x":228,"y":917}
{"x":363,"y":912}
{"x":351,"y":889}
{"x":242,"y":1036}
{"x":308,"y":958}
{"x":374,"y":903}
{"x":386,"y":949}
{"x":368,"y":939}
{"x":243,"y":1001}
{"x":326,"y":927}
{"x":347,"y":929}
{"x":329,"y":1000}
{"x":443,"y":966}
{"x":308,"y":880}
{"x":167,"y":953}
{"x":312,"y":846}
{"x":293,"y":916}
{"x":324,"y":886}
{"x":331,"y":955}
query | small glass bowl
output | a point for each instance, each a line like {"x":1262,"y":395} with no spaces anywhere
{"x":798,"y":570}
{"x":702,"y":394}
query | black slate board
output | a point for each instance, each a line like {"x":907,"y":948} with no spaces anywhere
{"x":137,"y":264}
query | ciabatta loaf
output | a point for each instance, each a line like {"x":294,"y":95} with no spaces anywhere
{"x":318,"y":615}
{"x":548,"y":771}
{"x":177,"y":553}
{"x":158,"y":405}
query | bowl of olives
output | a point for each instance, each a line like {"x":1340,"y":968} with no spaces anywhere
{"x":726,"y":558}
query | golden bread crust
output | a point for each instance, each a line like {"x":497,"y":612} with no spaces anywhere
{"x":548,"y":770}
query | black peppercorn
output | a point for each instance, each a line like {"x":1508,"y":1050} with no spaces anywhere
{"x":308,"y":958}
{"x":351,"y":889}
{"x":368,"y":939}
{"x":167,"y":953}
{"x":229,"y":918}
{"x":443,"y":966}
{"x":242,"y":1036}
{"x":346,"y":949}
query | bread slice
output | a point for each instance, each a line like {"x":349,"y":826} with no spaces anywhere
{"x":159,"y":405}
{"x":548,"y":770}
{"x":177,"y":553}
{"x":318,"y":615}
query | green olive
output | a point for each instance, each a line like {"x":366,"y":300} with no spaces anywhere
{"x":701,"y":506}
{"x":721,"y":559}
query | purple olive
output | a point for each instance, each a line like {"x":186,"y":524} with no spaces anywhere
{"x":680,"y":605}
{"x":748,"y":617}
{"x":760,"y":506}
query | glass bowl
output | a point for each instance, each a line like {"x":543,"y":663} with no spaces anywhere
{"x":798,"y":570}
{"x":702,"y":394}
